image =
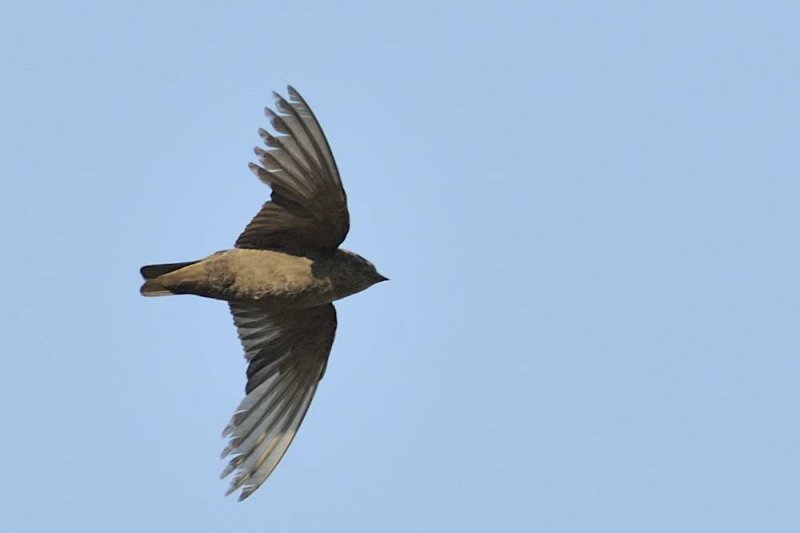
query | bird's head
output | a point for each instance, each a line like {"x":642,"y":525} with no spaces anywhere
{"x":362,"y":273}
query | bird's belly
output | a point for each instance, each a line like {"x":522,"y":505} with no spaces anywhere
{"x":272,"y":278}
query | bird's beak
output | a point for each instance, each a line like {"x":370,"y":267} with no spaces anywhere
{"x":381,"y":277}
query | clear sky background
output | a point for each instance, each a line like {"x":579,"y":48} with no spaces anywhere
{"x":588,"y":211}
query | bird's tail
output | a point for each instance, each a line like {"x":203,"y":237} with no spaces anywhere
{"x":151,"y":286}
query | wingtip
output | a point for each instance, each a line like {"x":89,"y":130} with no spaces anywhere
{"x":276,"y":121}
{"x":281,"y":103}
{"x":262,"y":174}
{"x":227,"y":451}
{"x":229,"y":468}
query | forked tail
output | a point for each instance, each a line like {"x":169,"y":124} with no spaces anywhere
{"x":151,"y":286}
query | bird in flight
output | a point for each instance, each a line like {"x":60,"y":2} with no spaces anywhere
{"x":279,"y":281}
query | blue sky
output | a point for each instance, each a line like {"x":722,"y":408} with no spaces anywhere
{"x":588,"y":211}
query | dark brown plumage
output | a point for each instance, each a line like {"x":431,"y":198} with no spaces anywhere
{"x":279,"y":280}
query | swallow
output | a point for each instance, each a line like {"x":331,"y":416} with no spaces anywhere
{"x":279,"y":279}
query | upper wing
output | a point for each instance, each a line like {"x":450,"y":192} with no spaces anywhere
{"x":308,"y":206}
{"x":287,"y":352}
